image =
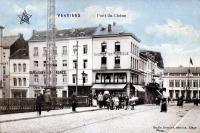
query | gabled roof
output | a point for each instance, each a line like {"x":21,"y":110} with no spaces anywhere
{"x":65,"y":33}
{"x":20,"y":54}
{"x":181,"y":69}
{"x":7,"y":41}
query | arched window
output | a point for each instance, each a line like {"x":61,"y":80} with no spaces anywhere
{"x":24,"y":67}
{"x":24,"y":81}
{"x":19,"y":67}
{"x":20,"y":81}
{"x":15,"y":81}
{"x":15,"y":67}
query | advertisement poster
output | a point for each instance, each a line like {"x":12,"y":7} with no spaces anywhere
{"x":99,"y":66}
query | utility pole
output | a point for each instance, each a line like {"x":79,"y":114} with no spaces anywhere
{"x":50,"y":54}
{"x":77,"y":68}
{"x":1,"y":48}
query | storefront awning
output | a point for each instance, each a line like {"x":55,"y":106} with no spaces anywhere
{"x":139,"y":88}
{"x":108,"y":86}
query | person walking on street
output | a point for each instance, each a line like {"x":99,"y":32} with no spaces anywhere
{"x":74,"y":102}
{"x":47,"y":100}
{"x":39,"y":101}
{"x":100,"y":100}
{"x":90,"y":99}
{"x":126,"y":102}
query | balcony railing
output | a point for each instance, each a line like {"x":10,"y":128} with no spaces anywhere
{"x":117,"y":66}
{"x":103,"y":66}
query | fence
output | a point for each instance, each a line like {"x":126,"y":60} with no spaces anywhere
{"x":14,"y":105}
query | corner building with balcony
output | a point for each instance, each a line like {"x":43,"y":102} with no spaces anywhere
{"x":115,"y":60}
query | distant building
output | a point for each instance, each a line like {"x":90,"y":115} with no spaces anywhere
{"x":10,"y":44}
{"x":181,"y":80}
{"x":19,"y":74}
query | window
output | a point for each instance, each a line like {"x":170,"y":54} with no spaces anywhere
{"x":85,"y":49}
{"x":55,"y":51}
{"x":85,"y":78}
{"x":45,"y":79}
{"x":74,"y":78}
{"x":103,"y":47}
{"x":24,"y":81}
{"x":117,"y":60}
{"x":35,"y":63}
{"x":84,"y":63}
{"x":36,"y":79}
{"x":75,"y":49}
{"x":103,"y":60}
{"x":15,"y":82}
{"x":177,"y":83}
{"x":19,"y":67}
{"x":195,"y":83}
{"x":35,"y":51}
{"x":64,"y":50}
{"x":44,"y":51}
{"x":171,"y":83}
{"x":20,"y":81}
{"x":24,"y":67}
{"x":44,"y":63}
{"x":117,"y":46}
{"x":74,"y":64}
{"x":64,"y":78}
{"x":183,"y":83}
{"x":64,"y":63}
{"x":55,"y":63}
{"x":4,"y":69}
{"x":15,"y":67}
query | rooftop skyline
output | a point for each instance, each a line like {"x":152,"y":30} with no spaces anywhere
{"x":170,"y":27}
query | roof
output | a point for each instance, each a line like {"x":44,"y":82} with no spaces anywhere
{"x":181,"y":69}
{"x":65,"y":33}
{"x":153,"y":55}
{"x":108,"y":86}
{"x":7,"y":41}
{"x":20,"y":54}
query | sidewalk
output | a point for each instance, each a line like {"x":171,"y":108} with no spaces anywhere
{"x":34,"y":115}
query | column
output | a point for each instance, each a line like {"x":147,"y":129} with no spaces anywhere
{"x":191,"y":94}
{"x":174,"y":94}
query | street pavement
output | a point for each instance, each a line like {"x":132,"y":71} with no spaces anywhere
{"x":144,"y":119}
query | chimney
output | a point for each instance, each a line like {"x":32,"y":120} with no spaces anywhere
{"x":109,"y":28}
{"x":114,"y":23}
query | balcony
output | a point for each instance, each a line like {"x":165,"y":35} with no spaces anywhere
{"x":117,"y":66}
{"x":103,"y":66}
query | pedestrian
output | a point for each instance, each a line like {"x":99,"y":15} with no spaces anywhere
{"x":100,"y":100}
{"x":132,"y":102}
{"x":90,"y":99}
{"x":94,"y":100}
{"x":39,"y":102}
{"x":47,"y":100}
{"x":116,"y":102}
{"x":163,"y":105}
{"x":74,"y":101}
{"x":126,"y":102}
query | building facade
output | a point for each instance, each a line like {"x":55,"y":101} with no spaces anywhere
{"x":19,"y":74}
{"x":180,"y":81}
{"x":115,"y":60}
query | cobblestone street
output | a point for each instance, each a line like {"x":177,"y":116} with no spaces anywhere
{"x":144,"y":119}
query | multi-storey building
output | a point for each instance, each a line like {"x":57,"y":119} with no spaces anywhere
{"x":19,"y":74}
{"x":10,"y":44}
{"x":115,"y":60}
{"x":68,"y":43}
{"x":181,"y":80}
{"x":1,"y":72}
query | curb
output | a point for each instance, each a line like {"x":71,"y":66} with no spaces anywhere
{"x":35,"y":117}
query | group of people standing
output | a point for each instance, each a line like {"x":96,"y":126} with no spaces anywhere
{"x":111,"y":102}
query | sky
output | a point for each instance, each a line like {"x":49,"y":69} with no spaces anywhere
{"x":171,"y":27}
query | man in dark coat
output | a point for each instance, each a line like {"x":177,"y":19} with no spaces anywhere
{"x":39,"y":101}
{"x":47,"y":100}
{"x":74,"y":102}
